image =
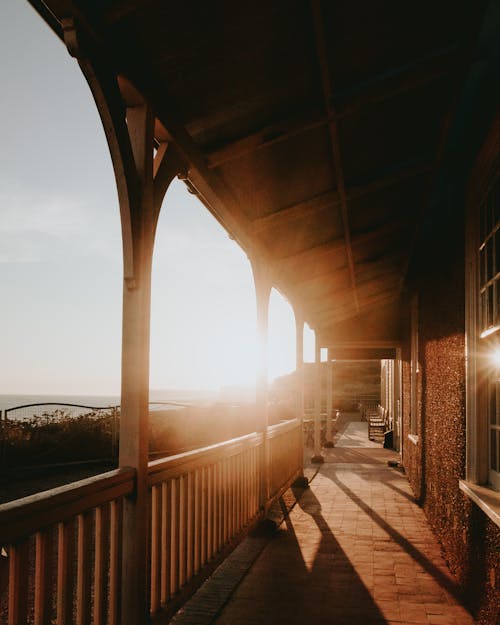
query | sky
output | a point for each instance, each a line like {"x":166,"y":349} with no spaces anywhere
{"x":60,"y":249}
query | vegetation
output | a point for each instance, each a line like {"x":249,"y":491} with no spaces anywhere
{"x":58,"y":437}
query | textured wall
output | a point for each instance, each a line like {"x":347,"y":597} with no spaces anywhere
{"x":471,"y":542}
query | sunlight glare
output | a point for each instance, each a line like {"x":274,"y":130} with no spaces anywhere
{"x":495,"y":356}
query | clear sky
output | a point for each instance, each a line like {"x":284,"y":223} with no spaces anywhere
{"x":60,"y":248}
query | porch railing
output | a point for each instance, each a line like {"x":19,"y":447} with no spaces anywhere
{"x":61,"y":549}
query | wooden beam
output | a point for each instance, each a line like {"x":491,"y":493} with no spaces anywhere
{"x":310,"y":206}
{"x":337,"y":245}
{"x":301,"y":210}
{"x":323,"y":322}
{"x":372,"y":91}
{"x":265,"y":137}
{"x":395,"y":81}
{"x":311,"y":253}
{"x":382,"y":180}
{"x":325,"y":307}
{"x":319,"y":32}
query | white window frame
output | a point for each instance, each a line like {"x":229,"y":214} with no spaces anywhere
{"x":414,"y":369}
{"x":482,"y":484}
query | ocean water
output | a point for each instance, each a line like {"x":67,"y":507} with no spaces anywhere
{"x":170,"y":395}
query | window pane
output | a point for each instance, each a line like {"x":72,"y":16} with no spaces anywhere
{"x":484,"y":310}
{"x":489,"y":217}
{"x":497,"y":251}
{"x":495,"y":416}
{"x":482,"y":223}
{"x":494,"y":450}
{"x":482,"y":266}
{"x":490,"y":306}
{"x":496,"y":202}
{"x":493,"y":402}
{"x":489,"y":259}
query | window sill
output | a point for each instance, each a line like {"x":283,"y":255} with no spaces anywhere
{"x":413,"y":438}
{"x":486,"y":498}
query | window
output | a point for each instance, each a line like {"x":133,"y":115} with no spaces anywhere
{"x":414,"y":368}
{"x":488,"y":257}
{"x":483,"y":325}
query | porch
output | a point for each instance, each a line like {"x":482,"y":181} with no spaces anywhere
{"x":353,"y":547}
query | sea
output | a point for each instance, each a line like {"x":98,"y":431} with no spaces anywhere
{"x":164,"y":397}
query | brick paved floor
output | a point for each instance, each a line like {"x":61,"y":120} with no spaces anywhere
{"x":355,"y":549}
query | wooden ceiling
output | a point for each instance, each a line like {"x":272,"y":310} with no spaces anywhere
{"x":312,"y":128}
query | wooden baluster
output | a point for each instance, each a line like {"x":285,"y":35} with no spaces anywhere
{"x":18,"y":583}
{"x":84,"y":570}
{"x":210,"y":510}
{"x":234,"y":499}
{"x":237,"y":495}
{"x":246,"y":492}
{"x":174,"y":558}
{"x":155,"y":549}
{"x":166,"y":523}
{"x":203,"y":516}
{"x":191,"y":538}
{"x":220,"y":506}
{"x":100,"y":571}
{"x":182,"y":530}
{"x":65,"y":578}
{"x":43,"y":581}
{"x":115,"y":523}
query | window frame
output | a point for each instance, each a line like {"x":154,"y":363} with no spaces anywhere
{"x":414,"y":368}
{"x":482,"y":328}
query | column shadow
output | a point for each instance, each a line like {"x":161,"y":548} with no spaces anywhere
{"x":441,"y":578}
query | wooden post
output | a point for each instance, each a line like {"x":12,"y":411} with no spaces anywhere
{"x":142,"y":179}
{"x":262,"y":292}
{"x":317,"y":457}
{"x":135,"y":379}
{"x":329,"y":403}
{"x":299,"y":364}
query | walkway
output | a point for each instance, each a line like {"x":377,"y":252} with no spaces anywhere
{"x":355,"y":549}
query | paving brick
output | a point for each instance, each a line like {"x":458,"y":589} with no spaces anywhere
{"x":355,"y":549}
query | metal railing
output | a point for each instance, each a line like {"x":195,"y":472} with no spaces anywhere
{"x":64,"y":546}
{"x":43,"y":430}
{"x":46,"y":434}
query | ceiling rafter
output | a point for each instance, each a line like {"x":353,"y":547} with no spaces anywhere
{"x":263,"y":138}
{"x":322,"y":304}
{"x":324,"y":322}
{"x":300,"y":210}
{"x":407,"y":77}
{"x":313,"y":253}
{"x":318,"y":203}
{"x":373,"y":91}
{"x":334,"y":139}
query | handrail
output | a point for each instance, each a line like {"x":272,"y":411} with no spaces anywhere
{"x":165,"y":468}
{"x":281,"y":428}
{"x":22,"y":517}
{"x":200,"y":502}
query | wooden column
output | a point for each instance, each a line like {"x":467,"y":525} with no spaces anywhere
{"x":329,"y":403}
{"x":263,"y":286}
{"x":142,"y":179}
{"x":299,"y":364}
{"x":317,"y":456}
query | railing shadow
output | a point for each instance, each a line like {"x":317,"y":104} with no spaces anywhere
{"x":303,"y":576}
{"x":441,"y":578}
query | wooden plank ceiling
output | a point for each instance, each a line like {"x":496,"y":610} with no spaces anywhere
{"x":313,"y":128}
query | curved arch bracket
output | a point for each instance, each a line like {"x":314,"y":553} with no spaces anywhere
{"x":142,"y":177}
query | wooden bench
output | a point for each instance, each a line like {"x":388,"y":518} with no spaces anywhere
{"x":377,"y":418}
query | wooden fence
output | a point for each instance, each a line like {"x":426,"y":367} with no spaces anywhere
{"x":62,"y":549}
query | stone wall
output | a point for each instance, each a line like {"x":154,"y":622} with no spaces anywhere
{"x":435,"y":460}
